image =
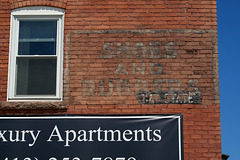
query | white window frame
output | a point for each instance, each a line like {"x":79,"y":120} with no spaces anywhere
{"x":35,"y":13}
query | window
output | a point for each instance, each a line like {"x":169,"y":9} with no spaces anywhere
{"x":36,"y":54}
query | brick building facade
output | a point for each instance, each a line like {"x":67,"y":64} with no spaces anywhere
{"x":127,"y":57}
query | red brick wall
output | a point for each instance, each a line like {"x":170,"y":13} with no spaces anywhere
{"x":134,"y":57}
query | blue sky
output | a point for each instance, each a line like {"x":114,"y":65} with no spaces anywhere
{"x":229,"y":70}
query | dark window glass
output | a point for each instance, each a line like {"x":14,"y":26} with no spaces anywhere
{"x":37,"y":37}
{"x":36,"y":76}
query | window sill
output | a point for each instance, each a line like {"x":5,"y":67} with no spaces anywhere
{"x":32,"y":105}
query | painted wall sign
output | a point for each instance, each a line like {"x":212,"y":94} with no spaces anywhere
{"x":155,"y":137}
{"x":139,"y":67}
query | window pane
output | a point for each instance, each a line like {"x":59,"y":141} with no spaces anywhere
{"x":37,"y":37}
{"x":37,"y":29}
{"x":36,"y":76}
{"x":37,"y":48}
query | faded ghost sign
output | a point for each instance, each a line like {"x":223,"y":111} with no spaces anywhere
{"x":133,"y":67}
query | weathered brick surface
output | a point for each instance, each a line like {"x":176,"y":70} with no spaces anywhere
{"x":146,"y":67}
{"x":134,"y":57}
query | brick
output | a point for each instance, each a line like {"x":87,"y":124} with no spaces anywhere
{"x":165,"y":48}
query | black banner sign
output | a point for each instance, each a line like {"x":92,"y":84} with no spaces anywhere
{"x":71,"y":137}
